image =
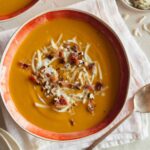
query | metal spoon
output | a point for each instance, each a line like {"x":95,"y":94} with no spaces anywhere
{"x":9,"y":143}
{"x":139,"y":103}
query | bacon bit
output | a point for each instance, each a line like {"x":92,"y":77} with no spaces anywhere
{"x":43,"y":84}
{"x":72,"y":122}
{"x":89,"y":87}
{"x":49,"y":56}
{"x":65,"y":84}
{"x":60,"y":101}
{"x":61,"y":57}
{"x":24,"y":65}
{"x":62,"y":60}
{"x":42,"y":89}
{"x":48,"y":75}
{"x":34,"y":79}
{"x":75,"y":48}
{"x":90,"y":66}
{"x":42,"y":68}
{"x":73,"y":59}
{"x":90,"y":96}
{"x":80,"y":55}
{"x":91,"y":106}
{"x":61,"y":54}
{"x":98,"y":86}
{"x":53,"y":78}
{"x":53,"y":85}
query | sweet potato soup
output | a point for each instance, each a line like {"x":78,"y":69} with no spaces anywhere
{"x":10,"y":6}
{"x":64,"y":76}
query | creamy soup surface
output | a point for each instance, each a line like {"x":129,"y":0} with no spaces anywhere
{"x":58,"y":112}
{"x":10,"y":6}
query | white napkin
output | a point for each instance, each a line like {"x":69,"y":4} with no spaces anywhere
{"x":132,"y":129}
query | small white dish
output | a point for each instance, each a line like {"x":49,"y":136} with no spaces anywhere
{"x":126,"y":3}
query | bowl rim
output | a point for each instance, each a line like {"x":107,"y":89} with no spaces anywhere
{"x":19,"y":12}
{"x":125,"y":57}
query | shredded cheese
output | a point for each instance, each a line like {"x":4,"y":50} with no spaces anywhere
{"x":141,"y":19}
{"x":86,"y":56}
{"x":145,"y":28}
{"x":59,"y":39}
{"x":41,"y":105}
{"x":41,"y":99}
{"x":137,"y":33}
{"x":56,"y":81}
{"x":53,"y":44}
{"x":126,"y":16}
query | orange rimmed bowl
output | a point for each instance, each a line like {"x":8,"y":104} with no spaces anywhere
{"x":18,"y":12}
{"x":15,"y":42}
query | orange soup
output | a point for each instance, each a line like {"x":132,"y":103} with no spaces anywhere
{"x":10,"y":6}
{"x":64,"y":76}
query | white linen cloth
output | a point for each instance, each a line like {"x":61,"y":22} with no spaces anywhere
{"x":136,"y":127}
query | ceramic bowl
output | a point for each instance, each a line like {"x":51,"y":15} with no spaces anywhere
{"x":18,"y":12}
{"x":17,"y":39}
{"x":134,"y":8}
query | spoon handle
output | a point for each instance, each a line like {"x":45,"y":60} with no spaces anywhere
{"x":7,"y":145}
{"x":100,"y":139}
{"x":11,"y":143}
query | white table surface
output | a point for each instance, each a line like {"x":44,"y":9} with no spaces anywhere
{"x":143,"y":41}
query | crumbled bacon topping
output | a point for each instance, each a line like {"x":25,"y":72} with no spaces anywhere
{"x":72,"y":122}
{"x":75,"y":48}
{"x":91,"y":66}
{"x":61,"y":54}
{"x":59,"y":101}
{"x":34,"y":79}
{"x":91,"y":106}
{"x":62,"y":60}
{"x":42,"y":68}
{"x":89,"y":87}
{"x":68,"y":81}
{"x":49,"y":56}
{"x":98,"y":86}
{"x":80,"y":55}
{"x":23,"y":65}
{"x":53,"y":78}
{"x":73,"y":59}
{"x":90,"y":96}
